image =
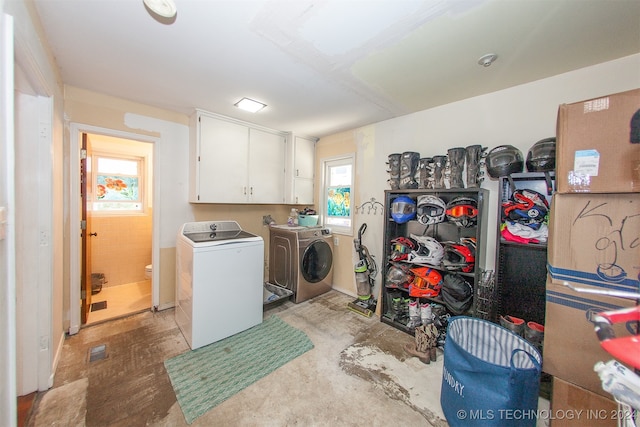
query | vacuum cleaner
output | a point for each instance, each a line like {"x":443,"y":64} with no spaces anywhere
{"x":365,"y":270}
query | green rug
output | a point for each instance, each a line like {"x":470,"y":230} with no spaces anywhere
{"x":207,"y":376}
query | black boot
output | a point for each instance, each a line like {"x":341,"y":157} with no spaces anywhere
{"x":408,"y":168}
{"x":456,"y":166}
{"x":475,"y":153}
{"x":438,"y":165}
{"x":424,"y":173}
{"x":394,"y":170}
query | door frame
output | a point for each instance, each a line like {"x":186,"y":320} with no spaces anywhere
{"x":75,"y":141}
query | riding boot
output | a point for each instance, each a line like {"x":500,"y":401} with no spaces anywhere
{"x":414,"y":314}
{"x":423,"y":172}
{"x":456,"y":167}
{"x":475,"y":153}
{"x":514,"y":324}
{"x":408,"y":168}
{"x":534,"y":333}
{"x":439,"y":164}
{"x":394,"y":170}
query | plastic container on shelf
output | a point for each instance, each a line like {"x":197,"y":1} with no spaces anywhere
{"x":308,"y":220}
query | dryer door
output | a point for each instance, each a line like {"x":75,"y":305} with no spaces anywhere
{"x":316,"y":261}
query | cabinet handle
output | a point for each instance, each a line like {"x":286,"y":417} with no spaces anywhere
{"x":244,"y":190}
{"x":251,"y":192}
{"x":296,"y":200}
{"x":297,"y":172}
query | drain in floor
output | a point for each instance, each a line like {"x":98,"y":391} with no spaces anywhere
{"x":98,"y":352}
{"x":98,"y":306}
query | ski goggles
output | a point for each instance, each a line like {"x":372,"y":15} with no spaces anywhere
{"x":462,"y":211}
{"x":430,"y":210}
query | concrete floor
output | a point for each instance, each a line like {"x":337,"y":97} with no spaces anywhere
{"x":356,"y":374}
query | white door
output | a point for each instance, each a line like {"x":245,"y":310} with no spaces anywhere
{"x":8,"y":405}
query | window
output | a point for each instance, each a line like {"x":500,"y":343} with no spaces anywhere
{"x":337,"y":188}
{"x":117,"y":183}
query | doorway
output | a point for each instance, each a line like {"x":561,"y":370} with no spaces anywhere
{"x":120,"y":228}
{"x":119,"y":183}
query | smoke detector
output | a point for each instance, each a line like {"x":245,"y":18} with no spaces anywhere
{"x":163,"y":8}
{"x":488,"y":59}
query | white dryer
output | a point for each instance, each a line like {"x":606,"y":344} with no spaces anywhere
{"x":219,"y":281}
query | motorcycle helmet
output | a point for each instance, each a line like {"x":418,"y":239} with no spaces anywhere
{"x":462,"y":211}
{"x":426,"y":282}
{"x":430,"y":209}
{"x":457,"y":293}
{"x":542,"y":156}
{"x":403,"y":209}
{"x":429,"y":251}
{"x":504,"y":160}
{"x":398,"y":276}
{"x":401,"y":247}
{"x":459,"y":256}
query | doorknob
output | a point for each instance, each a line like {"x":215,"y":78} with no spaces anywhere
{"x":93,"y":234}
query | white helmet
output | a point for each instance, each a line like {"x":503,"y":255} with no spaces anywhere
{"x":430,"y":209}
{"x":429,"y":251}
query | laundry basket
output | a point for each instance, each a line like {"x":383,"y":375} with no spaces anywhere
{"x":491,"y":376}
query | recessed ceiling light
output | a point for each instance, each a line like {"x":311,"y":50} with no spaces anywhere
{"x":250,"y":105}
{"x":164,"y":8}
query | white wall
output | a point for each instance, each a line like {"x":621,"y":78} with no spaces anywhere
{"x":519,"y":116}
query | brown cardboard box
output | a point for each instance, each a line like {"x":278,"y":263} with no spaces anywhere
{"x":594,"y":153}
{"x":573,"y":406}
{"x":594,"y":243}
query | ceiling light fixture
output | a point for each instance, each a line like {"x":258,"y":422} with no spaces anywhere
{"x":250,"y":105}
{"x":164,"y":8}
{"x":488,"y":59}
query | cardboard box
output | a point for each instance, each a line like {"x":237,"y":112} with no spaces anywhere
{"x":594,"y":243}
{"x":573,"y":406}
{"x":594,"y":152}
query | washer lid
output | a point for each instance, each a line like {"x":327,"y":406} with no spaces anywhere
{"x":215,"y":232}
{"x":213,"y":236}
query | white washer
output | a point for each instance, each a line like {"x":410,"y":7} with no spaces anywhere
{"x":219,"y":281}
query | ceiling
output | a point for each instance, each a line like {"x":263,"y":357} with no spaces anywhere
{"x":324,"y":66}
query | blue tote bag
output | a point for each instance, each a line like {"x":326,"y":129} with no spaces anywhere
{"x":491,"y":376}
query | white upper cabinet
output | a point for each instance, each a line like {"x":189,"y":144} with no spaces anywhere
{"x":266,"y":166}
{"x":300,"y":182}
{"x":233,"y":162}
{"x":304,"y":157}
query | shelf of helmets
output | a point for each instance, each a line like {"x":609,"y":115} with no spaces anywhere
{"x":521,"y":249}
{"x":396,"y":296}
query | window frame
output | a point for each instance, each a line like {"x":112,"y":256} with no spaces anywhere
{"x":341,"y":160}
{"x":141,"y":177}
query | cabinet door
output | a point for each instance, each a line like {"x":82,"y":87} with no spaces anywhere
{"x":303,"y":191}
{"x":304,"y":158}
{"x":266,"y":167}
{"x":223,"y":156}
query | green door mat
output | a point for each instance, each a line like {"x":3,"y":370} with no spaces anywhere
{"x":207,"y":376}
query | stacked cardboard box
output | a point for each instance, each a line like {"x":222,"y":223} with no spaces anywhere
{"x":594,"y":234}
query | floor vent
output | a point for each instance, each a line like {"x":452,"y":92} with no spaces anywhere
{"x":98,"y":352}
{"x":98,"y":306}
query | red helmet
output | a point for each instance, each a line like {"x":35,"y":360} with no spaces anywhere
{"x":401,"y":247}
{"x":460,"y":256}
{"x":426,"y":283}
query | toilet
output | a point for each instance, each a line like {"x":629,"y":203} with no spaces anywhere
{"x":147,"y":271}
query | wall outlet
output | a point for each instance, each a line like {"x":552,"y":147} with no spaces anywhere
{"x":336,"y":241}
